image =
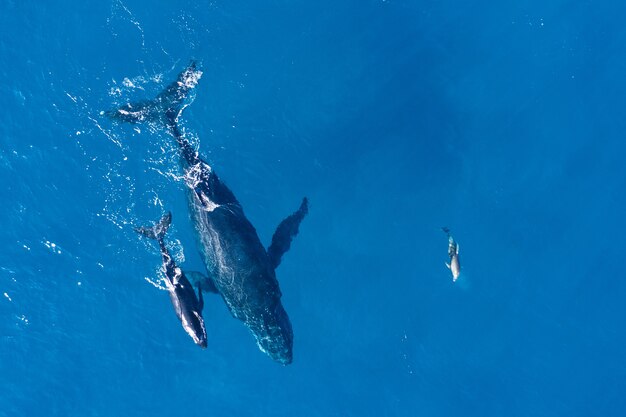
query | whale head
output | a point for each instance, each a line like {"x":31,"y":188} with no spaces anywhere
{"x":273,"y":333}
{"x":193,"y":323}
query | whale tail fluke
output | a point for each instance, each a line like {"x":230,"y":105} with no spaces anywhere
{"x":285,"y":232}
{"x":172,"y":100}
{"x":446,"y":230}
{"x":156,"y":232}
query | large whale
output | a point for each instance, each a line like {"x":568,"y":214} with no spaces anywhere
{"x":239,"y":267}
{"x":187,"y":307}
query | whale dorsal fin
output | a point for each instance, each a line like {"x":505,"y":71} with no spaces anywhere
{"x":284,"y":234}
{"x":178,"y":274}
{"x":201,"y":281}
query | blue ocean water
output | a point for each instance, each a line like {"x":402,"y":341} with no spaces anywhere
{"x":503,"y":122}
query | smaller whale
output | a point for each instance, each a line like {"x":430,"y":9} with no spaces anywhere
{"x":453,"y":252}
{"x":187,"y":306}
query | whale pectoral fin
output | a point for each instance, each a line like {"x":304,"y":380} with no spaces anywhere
{"x":200,"y":298}
{"x":285,"y":232}
{"x":457,"y":248}
{"x":199,"y":279}
{"x":448,"y":265}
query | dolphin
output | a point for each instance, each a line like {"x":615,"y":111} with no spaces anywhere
{"x":453,"y":252}
{"x":188,"y":308}
{"x":239,"y":267}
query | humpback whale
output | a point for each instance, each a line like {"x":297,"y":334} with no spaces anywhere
{"x":239,"y":267}
{"x":453,"y":252}
{"x":188,"y":308}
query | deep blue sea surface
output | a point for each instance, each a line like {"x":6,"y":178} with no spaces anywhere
{"x":501,"y":120}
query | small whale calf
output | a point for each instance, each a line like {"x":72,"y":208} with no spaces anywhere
{"x":187,"y":306}
{"x":453,"y":252}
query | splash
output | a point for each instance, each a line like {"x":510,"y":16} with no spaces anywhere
{"x":54,"y":248}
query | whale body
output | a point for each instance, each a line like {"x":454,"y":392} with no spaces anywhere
{"x":187,"y":307}
{"x":453,"y":253}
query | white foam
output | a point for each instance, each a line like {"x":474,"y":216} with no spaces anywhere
{"x":52,"y":246}
{"x":156,"y":284}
